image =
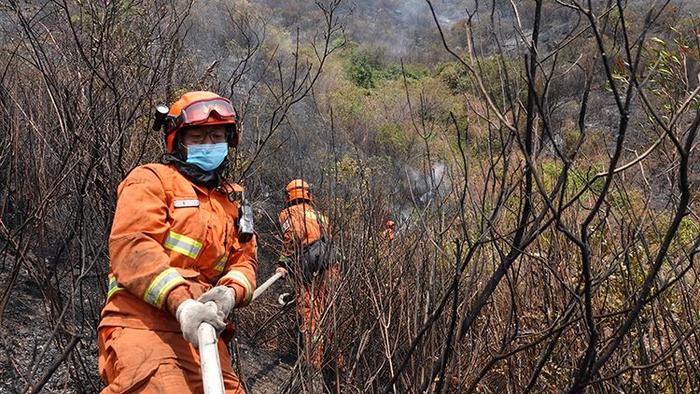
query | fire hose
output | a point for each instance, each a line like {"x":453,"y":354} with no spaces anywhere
{"x":209,"y":353}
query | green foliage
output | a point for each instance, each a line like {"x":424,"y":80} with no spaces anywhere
{"x":348,"y":102}
{"x":413,"y":72}
{"x":338,"y":43}
{"x":358,"y":171}
{"x":362,"y":71}
{"x":493,"y":71}
{"x":667,"y":71}
{"x":626,"y":200}
{"x":576,"y":179}
{"x":392,"y":138}
{"x":664,"y":62}
{"x":455,"y":76}
{"x":367,"y":71}
{"x":348,"y":168}
{"x":687,"y":231}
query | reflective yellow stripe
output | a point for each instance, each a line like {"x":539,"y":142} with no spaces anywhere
{"x":221,"y":263}
{"x":113,"y":286}
{"x":239,"y":277}
{"x":183,"y":244}
{"x":314,"y":216}
{"x":161,"y":285}
{"x":310,"y":215}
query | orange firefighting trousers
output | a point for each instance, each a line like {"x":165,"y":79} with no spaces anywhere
{"x":311,"y":305}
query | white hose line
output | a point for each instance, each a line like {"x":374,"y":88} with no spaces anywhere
{"x":261,"y":289}
{"x":209,"y":360}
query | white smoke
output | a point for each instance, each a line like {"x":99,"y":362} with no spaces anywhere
{"x":426,"y":187}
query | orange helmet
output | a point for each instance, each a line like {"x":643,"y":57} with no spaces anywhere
{"x":201,"y":108}
{"x":390,"y":224}
{"x":298,"y":189}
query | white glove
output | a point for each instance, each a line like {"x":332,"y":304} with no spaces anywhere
{"x":224,"y":298}
{"x":281,"y":270}
{"x":191,"y":314}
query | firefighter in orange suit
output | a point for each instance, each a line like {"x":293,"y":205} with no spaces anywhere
{"x":305,"y":253}
{"x":177,"y":256}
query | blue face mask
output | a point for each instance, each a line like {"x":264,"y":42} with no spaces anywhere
{"x":208,"y":157}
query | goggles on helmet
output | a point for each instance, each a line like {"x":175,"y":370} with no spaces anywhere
{"x":199,"y":112}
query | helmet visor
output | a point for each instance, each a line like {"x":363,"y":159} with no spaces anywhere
{"x":199,"y":112}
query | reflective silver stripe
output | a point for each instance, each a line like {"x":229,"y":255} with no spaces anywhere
{"x":113,"y":286}
{"x":221,"y":263}
{"x":182,"y":244}
{"x":241,"y":279}
{"x":186,"y":203}
{"x":161,"y":285}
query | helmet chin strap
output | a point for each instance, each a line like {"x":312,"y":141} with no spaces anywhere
{"x":180,"y":150}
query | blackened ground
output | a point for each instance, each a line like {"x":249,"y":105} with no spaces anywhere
{"x":267,"y":338}
{"x":30,"y":345}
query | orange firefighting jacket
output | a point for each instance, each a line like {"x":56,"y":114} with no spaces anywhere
{"x":172,"y":240}
{"x":301,"y":225}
